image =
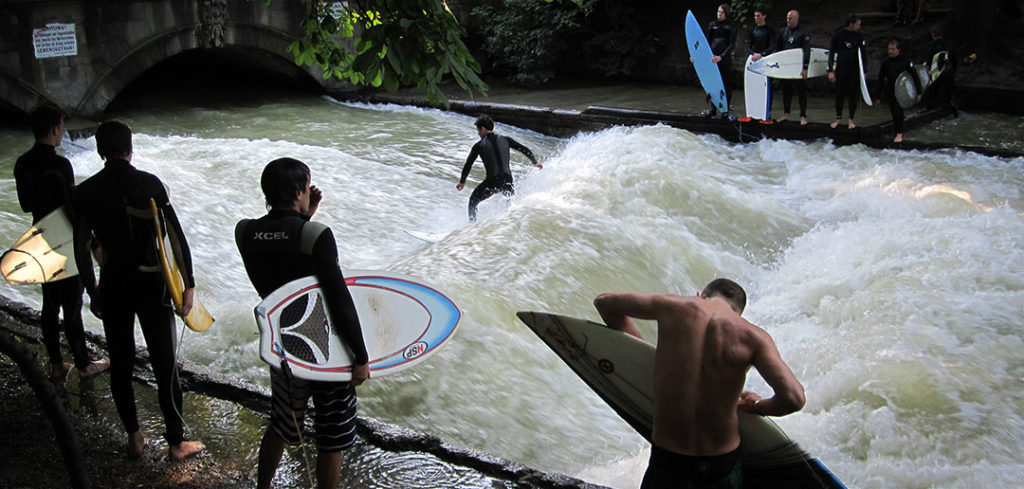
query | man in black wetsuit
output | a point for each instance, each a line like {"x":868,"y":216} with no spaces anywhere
{"x":46,"y":182}
{"x":277,"y":248}
{"x":887,"y":74}
{"x":494,"y":150}
{"x":722,"y":40}
{"x":793,"y":36}
{"x":940,"y":92}
{"x":115,"y":205}
{"x":761,"y":40}
{"x":844,"y":67}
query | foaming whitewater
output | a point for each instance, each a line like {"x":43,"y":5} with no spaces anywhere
{"x":891,"y":281}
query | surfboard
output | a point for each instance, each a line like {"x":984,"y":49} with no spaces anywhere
{"x":404,"y":322}
{"x":757,"y":93}
{"x":707,"y":71}
{"x":863,"y":79}
{"x":904,"y":89}
{"x":428,"y":237}
{"x":45,"y":253}
{"x":199,"y":318}
{"x":788,"y":64}
{"x":620,"y":369}
{"x":938,"y":64}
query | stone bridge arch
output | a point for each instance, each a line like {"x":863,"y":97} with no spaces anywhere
{"x":118,"y":41}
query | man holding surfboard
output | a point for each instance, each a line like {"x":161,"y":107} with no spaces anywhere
{"x":494,"y":150}
{"x":45,"y":183}
{"x":276,"y":249}
{"x":795,"y":37}
{"x":703,"y":354}
{"x":844,"y":68}
{"x":721,"y":34}
{"x":115,"y":205}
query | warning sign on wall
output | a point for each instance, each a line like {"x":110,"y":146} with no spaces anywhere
{"x":55,"y":40}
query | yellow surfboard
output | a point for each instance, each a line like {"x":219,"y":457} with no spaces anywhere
{"x":45,"y":253}
{"x":198,"y":319}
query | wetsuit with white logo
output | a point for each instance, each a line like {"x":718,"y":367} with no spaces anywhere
{"x":795,"y":38}
{"x":276,"y":249}
{"x":494,"y":151}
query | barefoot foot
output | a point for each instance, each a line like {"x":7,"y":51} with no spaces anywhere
{"x":851,"y":125}
{"x":136,"y":444}
{"x":784,"y":118}
{"x":898,"y":138}
{"x":834,"y":124}
{"x":803,"y":121}
{"x":186,"y":449}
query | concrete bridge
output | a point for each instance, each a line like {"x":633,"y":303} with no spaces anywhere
{"x":79,"y":55}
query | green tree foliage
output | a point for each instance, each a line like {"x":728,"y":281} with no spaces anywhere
{"x":742,"y":11}
{"x":533,"y":40}
{"x":388,"y":44}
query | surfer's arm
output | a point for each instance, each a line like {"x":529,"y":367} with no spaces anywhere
{"x":789,"y":393}
{"x":83,"y":258}
{"x":516,"y":145}
{"x":617,"y":309}
{"x":339,"y":299}
{"x":473,"y":153}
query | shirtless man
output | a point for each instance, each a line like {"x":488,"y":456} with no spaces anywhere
{"x":704,"y":352}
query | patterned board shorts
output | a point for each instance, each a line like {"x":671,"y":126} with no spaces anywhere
{"x":334,"y":419}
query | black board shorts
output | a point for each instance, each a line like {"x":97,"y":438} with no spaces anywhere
{"x":670,"y":470}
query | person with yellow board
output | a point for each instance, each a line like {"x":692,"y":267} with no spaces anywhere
{"x":114,"y":204}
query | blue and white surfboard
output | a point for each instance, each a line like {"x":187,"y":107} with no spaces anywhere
{"x":404,"y":322}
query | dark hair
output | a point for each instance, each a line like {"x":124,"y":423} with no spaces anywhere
{"x":282,"y":180}
{"x":728,"y":290}
{"x":43,"y":119}
{"x":725,"y":8}
{"x":935,"y":30}
{"x":762,"y":10}
{"x":852,"y":19}
{"x":897,"y":42}
{"x":485,"y":122}
{"x":113,"y":140}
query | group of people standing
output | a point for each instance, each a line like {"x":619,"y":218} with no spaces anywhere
{"x":844,"y":66}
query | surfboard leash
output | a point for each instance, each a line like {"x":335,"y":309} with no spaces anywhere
{"x":291,"y":405}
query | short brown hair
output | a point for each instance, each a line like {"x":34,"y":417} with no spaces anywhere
{"x":728,"y":290}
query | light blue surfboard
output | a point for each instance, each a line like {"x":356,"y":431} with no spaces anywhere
{"x":707,"y":71}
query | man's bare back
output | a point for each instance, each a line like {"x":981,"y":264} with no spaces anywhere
{"x":703,"y":354}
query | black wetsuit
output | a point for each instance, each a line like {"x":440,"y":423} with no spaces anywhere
{"x":762,"y":40}
{"x":795,"y":38}
{"x":494,"y":151}
{"x":115,"y":205}
{"x":887,"y":74}
{"x":722,"y":40}
{"x":46,"y":182}
{"x":280,"y":247}
{"x":843,"y":61}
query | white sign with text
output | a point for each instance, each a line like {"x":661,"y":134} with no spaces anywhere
{"x":55,"y":40}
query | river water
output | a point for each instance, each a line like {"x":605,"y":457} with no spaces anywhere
{"x":892,"y":282}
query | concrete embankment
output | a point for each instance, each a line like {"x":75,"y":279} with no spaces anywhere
{"x":101,"y":438}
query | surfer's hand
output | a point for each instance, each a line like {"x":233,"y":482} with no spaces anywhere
{"x":716,"y":59}
{"x":747,"y":401}
{"x":186,"y":302}
{"x":832,"y":76}
{"x":94,"y":305}
{"x":539,"y":164}
{"x":460,"y":186}
{"x":315,"y":196}
{"x":803,"y":73}
{"x":360,"y":373}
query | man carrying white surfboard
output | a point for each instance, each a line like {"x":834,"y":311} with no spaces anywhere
{"x":793,"y":36}
{"x":276,"y":249}
{"x":45,"y":183}
{"x":844,"y":68}
{"x":704,"y":352}
{"x":114,"y":204}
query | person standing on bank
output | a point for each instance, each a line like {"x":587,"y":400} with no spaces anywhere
{"x":793,"y":36}
{"x":844,"y":67}
{"x":887,"y":74}
{"x":722,"y":40}
{"x":46,"y":182}
{"x":703,"y":354}
{"x":762,"y":39}
{"x":493,"y":149}
{"x":115,"y":205}
{"x":940,"y":92}
{"x":277,"y":248}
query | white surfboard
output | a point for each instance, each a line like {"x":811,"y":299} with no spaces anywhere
{"x":403,"y":320}
{"x":788,"y":64}
{"x":863,"y":79}
{"x":45,"y":253}
{"x":428,"y":237}
{"x":756,"y":90}
{"x":620,"y":369}
{"x":938,"y":64}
